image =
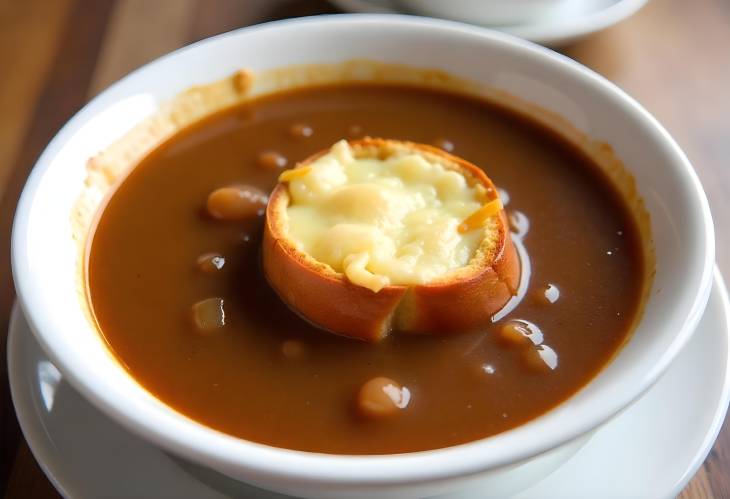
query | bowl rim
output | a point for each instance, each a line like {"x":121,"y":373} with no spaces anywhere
{"x":186,"y":437}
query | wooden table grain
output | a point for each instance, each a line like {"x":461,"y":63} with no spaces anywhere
{"x":673,"y":57}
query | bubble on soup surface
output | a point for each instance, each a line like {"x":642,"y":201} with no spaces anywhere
{"x":382,"y":397}
{"x":209,"y":315}
{"x":541,"y":358}
{"x":236,"y":202}
{"x":293,"y":349}
{"x":488,"y":369}
{"x":301,"y":131}
{"x":211,"y":262}
{"x":547,"y":294}
{"x":520,"y":333}
{"x":443,"y":144}
{"x":271,"y":160}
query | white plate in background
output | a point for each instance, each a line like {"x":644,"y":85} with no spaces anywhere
{"x":594,"y":16}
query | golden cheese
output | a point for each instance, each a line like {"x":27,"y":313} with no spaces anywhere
{"x":382,"y":221}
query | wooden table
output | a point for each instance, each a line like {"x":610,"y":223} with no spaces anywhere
{"x":673,"y":56}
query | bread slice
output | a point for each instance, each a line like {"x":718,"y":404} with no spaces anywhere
{"x":461,"y":299}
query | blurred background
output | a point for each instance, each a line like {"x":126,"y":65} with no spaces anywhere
{"x":673,"y":56}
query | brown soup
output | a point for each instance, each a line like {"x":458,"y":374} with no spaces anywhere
{"x":270,"y":377}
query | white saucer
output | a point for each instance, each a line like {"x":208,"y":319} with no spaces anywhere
{"x":651,"y":450}
{"x":553,"y":32}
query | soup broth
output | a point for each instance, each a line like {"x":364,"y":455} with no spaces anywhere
{"x":267,"y":375}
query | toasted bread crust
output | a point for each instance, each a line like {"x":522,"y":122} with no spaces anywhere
{"x":466,"y":298}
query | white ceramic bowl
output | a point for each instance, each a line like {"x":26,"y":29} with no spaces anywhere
{"x":44,"y":255}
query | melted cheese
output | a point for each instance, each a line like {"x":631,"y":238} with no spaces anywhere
{"x":381,"y":222}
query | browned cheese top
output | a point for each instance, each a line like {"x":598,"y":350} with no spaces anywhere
{"x":176,"y":285}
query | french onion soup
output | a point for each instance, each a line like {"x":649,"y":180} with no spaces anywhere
{"x":192,"y":291}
